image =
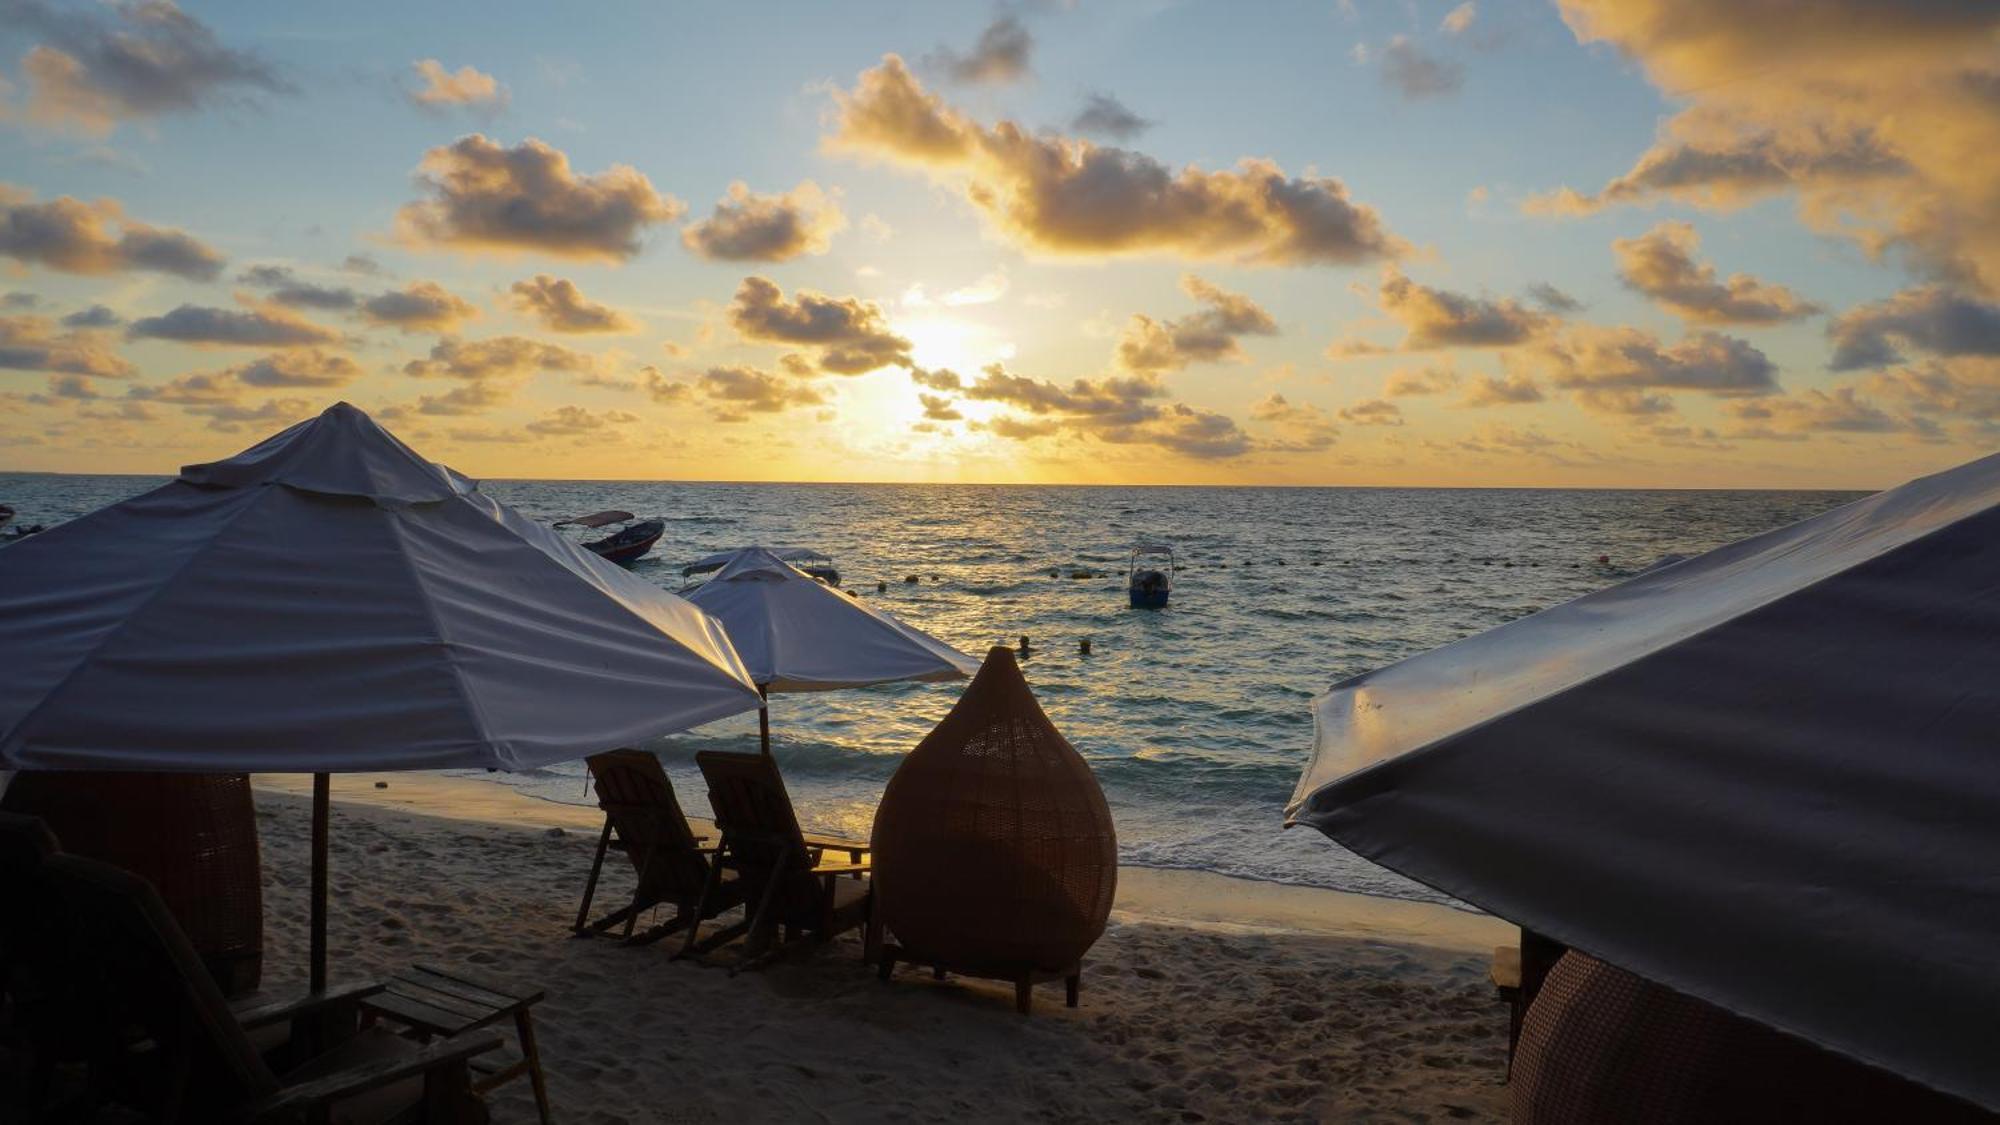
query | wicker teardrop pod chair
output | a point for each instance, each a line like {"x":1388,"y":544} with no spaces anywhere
{"x":1603,"y":1044}
{"x":193,"y":836}
{"x":994,"y":851}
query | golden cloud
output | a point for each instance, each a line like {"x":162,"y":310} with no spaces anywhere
{"x":561,"y":307}
{"x":850,"y":335}
{"x":33,"y":343}
{"x":73,"y":236}
{"x":488,"y":198}
{"x":1201,"y":337}
{"x":1661,"y":265}
{"x":421,"y":306}
{"x":1067,"y":196}
{"x":746,"y":227}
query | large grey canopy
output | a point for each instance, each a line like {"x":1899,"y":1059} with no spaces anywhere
{"x":329,"y":601}
{"x":1768,"y":777}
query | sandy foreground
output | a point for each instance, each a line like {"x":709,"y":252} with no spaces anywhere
{"x":1207,"y":999}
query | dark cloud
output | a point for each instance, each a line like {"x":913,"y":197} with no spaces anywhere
{"x":1552,"y":299}
{"x":1117,"y":410}
{"x":306,"y":368}
{"x":1000,"y":56}
{"x":1408,"y":71}
{"x":73,"y":236}
{"x":100,"y":65}
{"x":1661,"y":265}
{"x":1408,"y":381}
{"x":1515,"y":390}
{"x":1932,"y":318}
{"x":1439,"y":318}
{"x":257,"y":327}
{"x":560,"y":306}
{"x":497,"y":358}
{"x":734,"y":393}
{"x":1840,"y":410}
{"x":767,"y":228}
{"x":1103,"y":115}
{"x":850,"y":335}
{"x":31,"y":343}
{"x":1633,"y":359}
{"x":96,"y":316}
{"x":421,"y":306}
{"x":937,"y":379}
{"x":488,"y":198}
{"x":1061,"y":195}
{"x":1205,"y":336}
{"x":287,"y":290}
{"x":362,"y":265}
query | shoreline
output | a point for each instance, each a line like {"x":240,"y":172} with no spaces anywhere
{"x":1196,"y":899}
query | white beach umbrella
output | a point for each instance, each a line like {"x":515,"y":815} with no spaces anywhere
{"x":1767,"y":777}
{"x":329,"y":601}
{"x":796,"y":634}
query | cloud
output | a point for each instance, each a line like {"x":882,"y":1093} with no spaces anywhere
{"x":561,"y":307}
{"x":1459,"y":19}
{"x":734,"y":393}
{"x":96,"y":316}
{"x":1118,"y":410}
{"x":1439,"y":318}
{"x":290,"y":292}
{"x":1305,"y":428}
{"x":471,"y":398}
{"x":421,"y":306}
{"x":19,"y":300}
{"x":767,"y":228}
{"x":273,"y":414}
{"x":940,"y":379}
{"x":999,"y":58}
{"x":661,"y":389}
{"x":1931,"y":318}
{"x":1552,"y":299}
{"x":255,"y":327}
{"x":1408,"y":71}
{"x":465,"y":88}
{"x":1864,"y":113}
{"x":1839,"y":410}
{"x":70,"y":235}
{"x":361,"y":264}
{"x":31,"y":343}
{"x":308,"y":368}
{"x":496,"y":358}
{"x":106,"y":64}
{"x":575,"y":421}
{"x":938,"y":408}
{"x":1065,"y":196}
{"x":1373,"y":412}
{"x":1514,"y":390}
{"x":850,"y":335}
{"x":987,"y":289}
{"x":1103,"y":115}
{"x":1205,"y":336}
{"x":1408,"y":381}
{"x":1660,"y":264}
{"x":486,"y":198}
{"x":200,"y":389}
{"x":1631,"y":358}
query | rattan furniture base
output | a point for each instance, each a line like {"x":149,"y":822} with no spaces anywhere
{"x":1023,"y":978}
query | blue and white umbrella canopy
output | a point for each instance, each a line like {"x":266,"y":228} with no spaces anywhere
{"x":1768,"y":777}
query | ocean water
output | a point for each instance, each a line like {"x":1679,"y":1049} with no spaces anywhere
{"x":1195,"y":717}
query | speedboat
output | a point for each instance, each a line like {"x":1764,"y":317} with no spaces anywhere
{"x":812,"y":562}
{"x":626,"y":544}
{"x":1151,"y":578}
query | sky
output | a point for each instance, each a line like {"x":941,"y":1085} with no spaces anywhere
{"x":1656,"y":243}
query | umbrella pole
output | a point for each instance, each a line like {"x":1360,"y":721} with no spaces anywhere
{"x":318,"y":923}
{"x":764,"y":721}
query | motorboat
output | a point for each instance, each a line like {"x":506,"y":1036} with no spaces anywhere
{"x":807,"y":559}
{"x":1151,"y":576}
{"x":629,"y":540}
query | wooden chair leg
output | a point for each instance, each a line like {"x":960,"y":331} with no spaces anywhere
{"x":1024,"y":995}
{"x":524,"y":1027}
{"x":1073,"y":986}
{"x":888,"y":968}
{"x":590,"y":885}
{"x":709,"y":888}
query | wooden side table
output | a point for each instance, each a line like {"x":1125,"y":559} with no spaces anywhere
{"x":439,"y":1003}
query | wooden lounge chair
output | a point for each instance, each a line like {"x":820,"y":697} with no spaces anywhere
{"x":643,"y":819}
{"x":195,"y":1062}
{"x":785,"y":884}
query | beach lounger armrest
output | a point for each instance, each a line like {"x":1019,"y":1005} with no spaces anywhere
{"x":836,"y":844}
{"x":294,"y":1101}
{"x":312,"y":1003}
{"x":861,"y":868}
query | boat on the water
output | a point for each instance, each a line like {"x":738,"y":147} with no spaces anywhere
{"x":813,"y":562}
{"x":625,"y":545}
{"x":6,"y":515}
{"x":1151,"y":577}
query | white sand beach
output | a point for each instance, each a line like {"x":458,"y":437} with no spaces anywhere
{"x":1208,"y":998}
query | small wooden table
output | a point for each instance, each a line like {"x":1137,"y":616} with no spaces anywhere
{"x":440,"y":1003}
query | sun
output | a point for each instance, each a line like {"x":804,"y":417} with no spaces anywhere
{"x":962,"y":345}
